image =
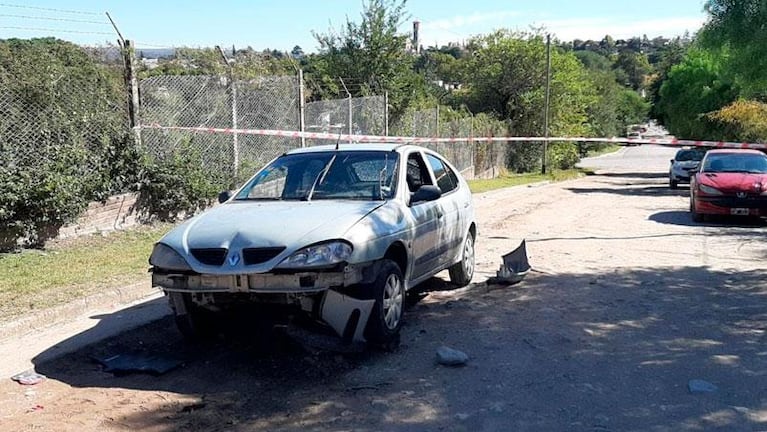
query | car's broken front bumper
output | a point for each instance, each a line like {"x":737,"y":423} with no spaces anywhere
{"x":320,"y":292}
{"x":306,"y":282}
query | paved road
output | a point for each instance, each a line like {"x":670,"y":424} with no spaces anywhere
{"x":629,"y":303}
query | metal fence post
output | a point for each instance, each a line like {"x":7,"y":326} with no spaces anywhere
{"x":301,"y":106}
{"x":386,"y":113}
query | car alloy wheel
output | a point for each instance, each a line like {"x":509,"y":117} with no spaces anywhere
{"x":392,"y":301}
{"x":462,"y":271}
{"x":388,"y":291}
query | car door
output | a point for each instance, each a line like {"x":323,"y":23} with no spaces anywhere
{"x":426,"y":219}
{"x":451,"y":204}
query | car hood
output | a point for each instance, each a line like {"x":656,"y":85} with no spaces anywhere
{"x":289,"y":224}
{"x":735,"y":182}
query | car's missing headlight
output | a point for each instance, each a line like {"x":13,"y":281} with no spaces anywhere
{"x":320,"y":255}
{"x":163,"y":256}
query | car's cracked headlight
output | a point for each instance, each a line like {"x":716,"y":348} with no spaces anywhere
{"x":708,"y":190}
{"x":319,"y":255}
{"x":163,"y":256}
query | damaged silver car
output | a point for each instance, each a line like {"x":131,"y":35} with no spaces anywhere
{"x":337,"y":234}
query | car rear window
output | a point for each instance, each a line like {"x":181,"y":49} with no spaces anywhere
{"x":689,"y":155}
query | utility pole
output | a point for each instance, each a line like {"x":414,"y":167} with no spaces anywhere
{"x":546,"y":103}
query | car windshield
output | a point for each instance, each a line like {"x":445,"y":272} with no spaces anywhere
{"x":689,"y":155}
{"x":355,"y":175}
{"x":732,"y":162}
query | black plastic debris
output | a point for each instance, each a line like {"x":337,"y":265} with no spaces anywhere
{"x":515,"y":266}
{"x":29,"y":377}
{"x":153,"y":364}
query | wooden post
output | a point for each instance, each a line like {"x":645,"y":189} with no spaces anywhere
{"x":546,"y":104}
{"x":131,"y":82}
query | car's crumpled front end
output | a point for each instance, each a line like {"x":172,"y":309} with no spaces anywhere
{"x":220,"y":259}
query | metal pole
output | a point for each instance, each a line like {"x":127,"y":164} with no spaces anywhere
{"x":301,"y":106}
{"x":436,"y":118}
{"x":349,"y":96}
{"x":546,"y":104}
{"x":386,"y":113}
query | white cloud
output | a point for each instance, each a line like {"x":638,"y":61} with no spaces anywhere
{"x":460,"y":28}
{"x":597,"y":28}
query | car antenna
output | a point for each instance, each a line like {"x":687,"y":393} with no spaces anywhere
{"x":338,"y":141}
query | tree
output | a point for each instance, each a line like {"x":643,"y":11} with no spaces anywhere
{"x":738,"y":27}
{"x":693,"y":89}
{"x":370,"y":57}
{"x":635,"y":67}
{"x":297,"y":52}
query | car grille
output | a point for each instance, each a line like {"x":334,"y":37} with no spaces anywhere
{"x":260,"y":255}
{"x":210,"y":256}
{"x":749,"y":201}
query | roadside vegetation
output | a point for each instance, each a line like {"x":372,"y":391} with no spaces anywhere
{"x":704,"y":86}
{"x":35,"y":279}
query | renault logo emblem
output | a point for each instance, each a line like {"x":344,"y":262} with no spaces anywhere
{"x":234,"y":259}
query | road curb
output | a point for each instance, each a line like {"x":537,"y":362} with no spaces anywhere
{"x":109,"y":298}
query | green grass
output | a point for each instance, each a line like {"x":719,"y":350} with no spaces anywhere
{"x":36,"y":279}
{"x":508,"y":180}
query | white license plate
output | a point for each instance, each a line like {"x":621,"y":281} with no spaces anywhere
{"x":739,"y":211}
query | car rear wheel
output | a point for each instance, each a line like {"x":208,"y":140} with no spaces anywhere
{"x":388,"y":291}
{"x":194,"y":322}
{"x":462,"y":271}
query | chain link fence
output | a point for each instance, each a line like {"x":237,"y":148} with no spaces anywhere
{"x":358,"y":116}
{"x":216,"y":102}
{"x":67,"y":124}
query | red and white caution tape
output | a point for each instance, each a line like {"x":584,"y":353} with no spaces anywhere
{"x":421,"y":140}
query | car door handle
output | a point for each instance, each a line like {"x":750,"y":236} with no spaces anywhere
{"x":439,"y":215}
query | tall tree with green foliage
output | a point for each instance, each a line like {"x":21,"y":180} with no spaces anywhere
{"x":738,"y":26}
{"x":370,"y":56}
{"x":695,"y":88}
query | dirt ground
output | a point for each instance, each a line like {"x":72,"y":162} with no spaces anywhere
{"x":628,"y":302}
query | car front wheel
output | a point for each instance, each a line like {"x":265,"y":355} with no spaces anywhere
{"x":462,"y":271}
{"x":696,"y":217}
{"x":388,"y":291}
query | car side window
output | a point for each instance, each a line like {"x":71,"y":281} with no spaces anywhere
{"x":417,"y":174}
{"x":442,"y":173}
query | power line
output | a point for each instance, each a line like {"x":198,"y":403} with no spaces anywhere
{"x":49,"y":9}
{"x":54,"y":19}
{"x":55,"y":30}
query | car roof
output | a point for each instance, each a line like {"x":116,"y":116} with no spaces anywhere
{"x":735,"y":151}
{"x":376,"y":146}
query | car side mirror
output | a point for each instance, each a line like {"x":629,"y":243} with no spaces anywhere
{"x":672,"y":160}
{"x":426,"y":193}
{"x":224,"y":196}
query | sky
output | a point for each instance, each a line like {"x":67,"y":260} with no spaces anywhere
{"x":281,"y":25}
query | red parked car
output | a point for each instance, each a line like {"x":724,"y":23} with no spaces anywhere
{"x":730,"y":182}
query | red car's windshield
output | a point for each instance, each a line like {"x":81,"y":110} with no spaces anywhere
{"x":735,"y":162}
